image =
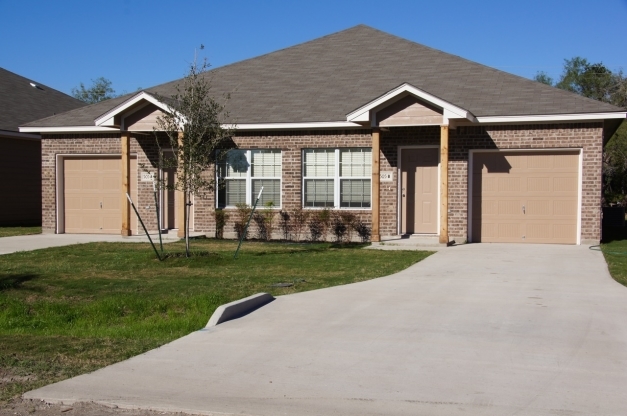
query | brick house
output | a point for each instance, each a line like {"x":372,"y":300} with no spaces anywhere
{"x":23,"y":100}
{"x":411,"y":139}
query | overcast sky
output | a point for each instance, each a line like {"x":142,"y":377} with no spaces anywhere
{"x":141,"y":43}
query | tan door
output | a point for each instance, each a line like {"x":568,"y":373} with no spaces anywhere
{"x":419,"y":191}
{"x":92,"y":195}
{"x":529,"y":197}
{"x":169,"y":203}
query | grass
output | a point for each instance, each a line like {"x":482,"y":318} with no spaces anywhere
{"x":13,"y":231}
{"x":614,"y":249}
{"x":69,"y":310}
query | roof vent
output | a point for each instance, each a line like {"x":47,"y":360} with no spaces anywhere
{"x":32,"y":84}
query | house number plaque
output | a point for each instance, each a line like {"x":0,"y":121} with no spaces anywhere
{"x":385,"y":176}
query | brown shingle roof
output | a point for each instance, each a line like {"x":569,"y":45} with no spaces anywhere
{"x":327,"y":78}
{"x":20,"y":102}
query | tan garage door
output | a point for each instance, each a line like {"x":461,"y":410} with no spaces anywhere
{"x":91,"y":190}
{"x":527,"y":197}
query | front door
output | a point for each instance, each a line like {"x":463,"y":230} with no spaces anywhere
{"x":419,"y":191}
{"x":169,"y":202}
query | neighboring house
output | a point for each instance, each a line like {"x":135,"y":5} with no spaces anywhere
{"x":411,"y":139}
{"x":23,"y":100}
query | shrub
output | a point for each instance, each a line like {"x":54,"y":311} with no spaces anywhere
{"x":284,"y":224}
{"x":299,"y":220}
{"x":324,"y":217}
{"x":243,"y":212}
{"x":338,"y":227}
{"x":264,"y":220}
{"x":315,"y":228}
{"x":362,"y":230}
{"x":221,"y":218}
{"x":349,"y":219}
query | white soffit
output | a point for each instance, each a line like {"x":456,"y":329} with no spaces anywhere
{"x":69,"y":129}
{"x":551,"y":117}
{"x":362,"y":114}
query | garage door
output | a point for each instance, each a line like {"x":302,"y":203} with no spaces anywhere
{"x":91,"y":190}
{"x":527,"y":197}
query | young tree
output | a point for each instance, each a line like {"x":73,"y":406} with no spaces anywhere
{"x":194,"y":129}
{"x":100,"y":90}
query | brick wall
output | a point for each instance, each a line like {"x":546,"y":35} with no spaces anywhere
{"x":587,"y":136}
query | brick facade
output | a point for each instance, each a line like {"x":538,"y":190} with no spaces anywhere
{"x":587,"y":136}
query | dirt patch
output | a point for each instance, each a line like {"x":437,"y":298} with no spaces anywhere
{"x":23,"y":407}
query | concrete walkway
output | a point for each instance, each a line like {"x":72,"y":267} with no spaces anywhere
{"x":39,"y":241}
{"x":481,"y":329}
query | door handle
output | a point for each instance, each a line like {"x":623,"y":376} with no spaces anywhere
{"x":101,"y":205}
{"x":524,"y":212}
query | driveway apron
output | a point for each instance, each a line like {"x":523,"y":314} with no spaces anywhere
{"x":480,"y":329}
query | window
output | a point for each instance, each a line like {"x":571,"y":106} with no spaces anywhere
{"x":243,"y":173}
{"x":337,"y":178}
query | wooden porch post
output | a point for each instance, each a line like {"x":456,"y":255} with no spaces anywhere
{"x":376,"y":146}
{"x":126,"y":183}
{"x":179,"y":196}
{"x":444,"y":184}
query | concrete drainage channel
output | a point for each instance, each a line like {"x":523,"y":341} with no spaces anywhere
{"x":238,"y":308}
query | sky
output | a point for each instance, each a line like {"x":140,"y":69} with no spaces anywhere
{"x":141,"y":43}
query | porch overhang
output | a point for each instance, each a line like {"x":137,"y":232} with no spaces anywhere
{"x":367,"y":114}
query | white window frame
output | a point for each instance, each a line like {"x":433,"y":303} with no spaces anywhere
{"x":250,"y":199}
{"x":336,"y":180}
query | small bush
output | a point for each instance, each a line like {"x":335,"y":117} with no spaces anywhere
{"x":349,"y":219}
{"x":243,"y":212}
{"x":362,"y":230}
{"x":316,"y":228}
{"x":299,"y":220}
{"x":324,"y":217}
{"x":338,"y":226}
{"x":221,"y":218}
{"x":265,"y":222}
{"x":284,"y":224}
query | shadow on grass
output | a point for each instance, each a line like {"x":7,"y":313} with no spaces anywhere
{"x":312,"y":249}
{"x":14,"y":281}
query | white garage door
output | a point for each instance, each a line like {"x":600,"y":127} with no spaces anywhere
{"x":525,"y":197}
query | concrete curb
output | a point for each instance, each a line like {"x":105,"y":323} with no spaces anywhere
{"x":238,"y":308}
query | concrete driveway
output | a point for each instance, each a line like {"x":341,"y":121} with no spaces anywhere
{"x":483,"y":329}
{"x":39,"y":241}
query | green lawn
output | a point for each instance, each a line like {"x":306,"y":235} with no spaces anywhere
{"x":614,"y":249}
{"x":13,"y":231}
{"x":69,"y":310}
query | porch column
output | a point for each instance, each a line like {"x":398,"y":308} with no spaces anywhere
{"x":443,"y":184}
{"x":179,"y":197}
{"x":126,"y":183}
{"x":376,"y":136}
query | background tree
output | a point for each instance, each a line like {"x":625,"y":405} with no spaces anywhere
{"x":195,"y":132}
{"x":543,"y":78}
{"x":596,"y":81}
{"x":100,"y":90}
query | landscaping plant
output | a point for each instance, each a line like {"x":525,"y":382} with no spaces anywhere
{"x":221,"y":218}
